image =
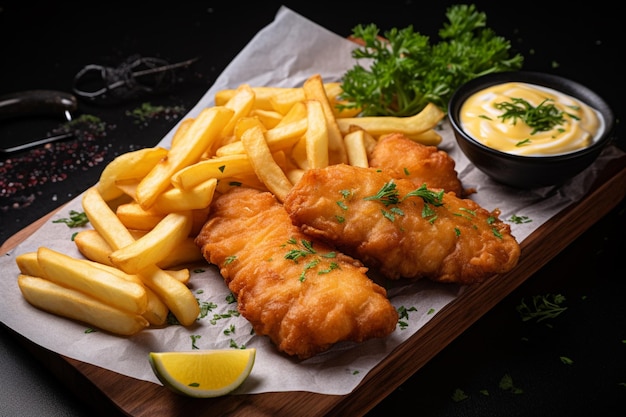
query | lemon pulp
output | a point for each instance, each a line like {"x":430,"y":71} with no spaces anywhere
{"x":203,"y":373}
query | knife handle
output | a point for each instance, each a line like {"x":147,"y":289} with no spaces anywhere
{"x":37,"y":102}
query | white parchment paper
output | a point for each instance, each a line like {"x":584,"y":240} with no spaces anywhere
{"x":285,"y":53}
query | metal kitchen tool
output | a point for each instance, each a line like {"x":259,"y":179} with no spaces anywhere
{"x":35,"y":103}
{"x":135,"y":76}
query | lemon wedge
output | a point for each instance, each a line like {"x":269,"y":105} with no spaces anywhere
{"x":203,"y":373}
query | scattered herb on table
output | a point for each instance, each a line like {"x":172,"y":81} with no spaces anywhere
{"x":506,"y":384}
{"x":408,"y":71}
{"x":148,"y":111}
{"x":459,"y":395}
{"x":541,"y":307}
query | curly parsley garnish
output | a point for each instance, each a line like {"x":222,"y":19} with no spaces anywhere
{"x":408,"y":71}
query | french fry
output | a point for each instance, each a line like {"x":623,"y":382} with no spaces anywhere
{"x":295,"y":174}
{"x":104,"y":220}
{"x":356,"y":150}
{"x":296,"y":113}
{"x":135,"y":164}
{"x":154,"y":246}
{"x":334,"y":91}
{"x":82,"y":276}
{"x":219,"y":167}
{"x":177,"y":199}
{"x":316,"y":137}
{"x":93,"y":247}
{"x":269,"y":118}
{"x":156,"y":310}
{"x":266,"y":168}
{"x":369,"y":141}
{"x":283,"y":100}
{"x":203,"y":132}
{"x":181,"y":130}
{"x":262,"y":96}
{"x":28,"y":265}
{"x":134,"y":217}
{"x":425,"y":120}
{"x":241,"y":104}
{"x":176,"y":295}
{"x":73,"y":304}
{"x":128,"y":187}
{"x":427,"y":136}
{"x":279,"y":138}
{"x":314,"y":90}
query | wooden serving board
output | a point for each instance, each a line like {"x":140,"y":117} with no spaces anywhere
{"x":111,"y":393}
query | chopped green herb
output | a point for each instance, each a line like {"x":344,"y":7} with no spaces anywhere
{"x":230,"y":330}
{"x":540,"y":118}
{"x":429,"y":196}
{"x":388,"y":194}
{"x":459,"y":395}
{"x":519,"y":219}
{"x":506,"y":384}
{"x":205,"y":308}
{"x":194,"y":338}
{"x":76,"y":219}
{"x":541,"y":307}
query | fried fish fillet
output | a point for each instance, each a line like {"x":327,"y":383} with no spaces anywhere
{"x":400,"y":229}
{"x":291,"y":287}
{"x":422,"y":164}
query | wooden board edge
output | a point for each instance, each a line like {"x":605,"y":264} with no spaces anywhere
{"x":103,"y":387}
{"x":537,"y":250}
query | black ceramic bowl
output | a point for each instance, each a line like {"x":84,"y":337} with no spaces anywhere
{"x":529,"y":171}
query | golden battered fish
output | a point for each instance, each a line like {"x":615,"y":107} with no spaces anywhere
{"x":422,"y":164}
{"x":295,"y":289}
{"x":400,"y":229}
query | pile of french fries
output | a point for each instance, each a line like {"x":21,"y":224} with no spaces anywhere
{"x":149,"y":204}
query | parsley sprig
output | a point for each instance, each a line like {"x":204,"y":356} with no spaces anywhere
{"x":407,"y":71}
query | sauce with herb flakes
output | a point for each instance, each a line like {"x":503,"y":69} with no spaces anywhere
{"x":527,"y":119}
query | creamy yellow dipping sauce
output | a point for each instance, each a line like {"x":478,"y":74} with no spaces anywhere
{"x":481,"y":119}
